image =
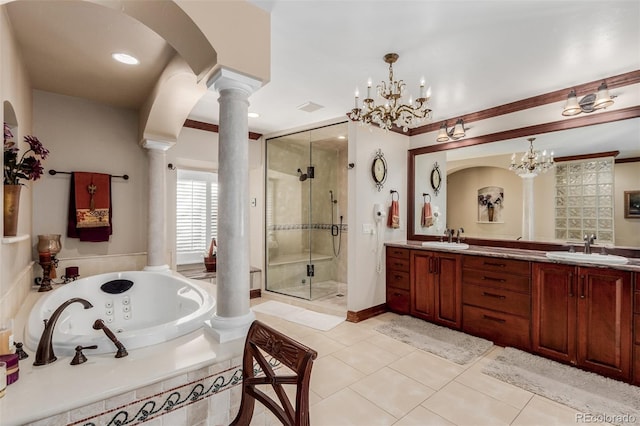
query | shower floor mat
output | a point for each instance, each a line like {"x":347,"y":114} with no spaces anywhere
{"x":317,"y":320}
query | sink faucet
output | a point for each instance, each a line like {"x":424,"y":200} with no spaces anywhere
{"x":449,"y":233}
{"x":122,"y":351}
{"x":588,"y":240}
{"x":44,"y":354}
{"x":460,"y":231}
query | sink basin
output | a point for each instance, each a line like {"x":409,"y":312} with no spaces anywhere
{"x":594,"y":258}
{"x":446,"y":245}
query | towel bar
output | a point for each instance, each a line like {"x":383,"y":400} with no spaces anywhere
{"x":55,"y":172}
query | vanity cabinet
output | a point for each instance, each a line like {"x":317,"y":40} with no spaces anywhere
{"x":435,"y":287}
{"x":496,"y":297}
{"x":636,"y":332}
{"x":398,"y":282}
{"x":583,"y":316}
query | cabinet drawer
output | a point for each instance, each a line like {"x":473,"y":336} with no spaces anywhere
{"x":636,"y":328}
{"x":497,"y":299}
{"x":398,"y":300}
{"x":397,"y":264}
{"x":398,"y":279}
{"x":496,"y":279}
{"x":495,"y":264}
{"x":636,"y":303}
{"x":398,"y":252}
{"x":502,"y":329}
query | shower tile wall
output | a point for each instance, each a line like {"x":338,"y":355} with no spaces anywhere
{"x":289,"y":241}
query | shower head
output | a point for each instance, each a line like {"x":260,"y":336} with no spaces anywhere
{"x":302,"y":176}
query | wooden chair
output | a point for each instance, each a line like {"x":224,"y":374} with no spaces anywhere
{"x":292,"y":354}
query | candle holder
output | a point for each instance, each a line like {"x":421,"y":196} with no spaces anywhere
{"x":45,"y":263}
{"x":71,"y":273}
{"x":50,"y":243}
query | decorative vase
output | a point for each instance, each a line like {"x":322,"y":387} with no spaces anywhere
{"x":11,"y":209}
{"x":490,"y":213}
{"x":210,"y":263}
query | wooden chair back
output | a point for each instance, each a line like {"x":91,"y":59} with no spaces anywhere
{"x":263,"y":340}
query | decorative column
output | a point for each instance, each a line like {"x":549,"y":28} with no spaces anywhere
{"x":528,"y":207}
{"x":233,"y":316}
{"x":157,"y":218}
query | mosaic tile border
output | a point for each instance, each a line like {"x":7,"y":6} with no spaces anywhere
{"x":305,"y":226}
{"x":172,"y":399}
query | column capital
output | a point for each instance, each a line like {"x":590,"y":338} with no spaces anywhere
{"x":225,"y":78}
{"x":156,"y":144}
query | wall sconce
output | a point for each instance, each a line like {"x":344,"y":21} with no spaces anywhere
{"x":589,"y":103}
{"x":455,"y":133}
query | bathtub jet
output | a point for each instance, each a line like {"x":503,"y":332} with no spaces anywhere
{"x":158,"y":307}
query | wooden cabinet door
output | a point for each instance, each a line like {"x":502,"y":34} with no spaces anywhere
{"x":604,"y":321}
{"x":448,"y":290}
{"x":554,"y":311}
{"x":422,"y":285}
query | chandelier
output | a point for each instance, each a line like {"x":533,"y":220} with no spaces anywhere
{"x":532,"y":162}
{"x":393,"y":111}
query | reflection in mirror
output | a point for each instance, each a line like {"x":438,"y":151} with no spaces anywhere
{"x":470,"y":169}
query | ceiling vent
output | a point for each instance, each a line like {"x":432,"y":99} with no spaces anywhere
{"x":310,"y":107}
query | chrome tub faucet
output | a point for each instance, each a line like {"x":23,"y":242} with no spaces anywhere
{"x":44,"y":354}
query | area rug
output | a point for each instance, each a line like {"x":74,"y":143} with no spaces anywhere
{"x":306,"y":317}
{"x":453,"y":345}
{"x":592,"y":395}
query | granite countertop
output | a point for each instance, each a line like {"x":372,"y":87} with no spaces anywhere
{"x":513,"y":253}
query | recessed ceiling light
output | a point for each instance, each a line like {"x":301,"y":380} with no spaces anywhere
{"x":125,"y":58}
{"x":342,"y":137}
{"x":253,"y":115}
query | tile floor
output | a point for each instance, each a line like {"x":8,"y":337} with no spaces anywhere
{"x":362,"y":377}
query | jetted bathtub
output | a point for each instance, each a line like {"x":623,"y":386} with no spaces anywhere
{"x":141,"y":308}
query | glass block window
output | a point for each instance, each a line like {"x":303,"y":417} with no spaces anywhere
{"x":584,"y":200}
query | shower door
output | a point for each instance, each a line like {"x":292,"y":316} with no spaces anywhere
{"x":301,"y":178}
{"x":289,"y":184}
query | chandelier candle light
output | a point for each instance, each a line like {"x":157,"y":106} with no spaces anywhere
{"x":532,"y":162}
{"x":393,"y":111}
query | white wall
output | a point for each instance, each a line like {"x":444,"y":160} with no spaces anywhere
{"x":366,"y":284}
{"x":15,"y":89}
{"x":83,"y":135}
{"x":198,"y":150}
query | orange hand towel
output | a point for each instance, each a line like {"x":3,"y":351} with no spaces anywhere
{"x":427,"y":216}
{"x":393,"y":220}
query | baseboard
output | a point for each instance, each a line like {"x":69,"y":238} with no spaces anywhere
{"x":366,"y":313}
{"x":255,"y":293}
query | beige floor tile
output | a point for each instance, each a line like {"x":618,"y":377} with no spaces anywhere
{"x":392,"y":391}
{"x":365,"y":357}
{"x":428,"y":369}
{"x":420,"y":416}
{"x":505,"y":392}
{"x":329,"y":375}
{"x":542,"y":411}
{"x":465,"y":406}
{"x":392,"y":345}
{"x":348,"y":408}
{"x":349,"y":333}
{"x":321,"y":344}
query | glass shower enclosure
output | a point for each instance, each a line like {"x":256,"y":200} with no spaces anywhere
{"x":306,"y":187}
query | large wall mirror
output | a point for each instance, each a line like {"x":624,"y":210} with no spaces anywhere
{"x":480,"y":173}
